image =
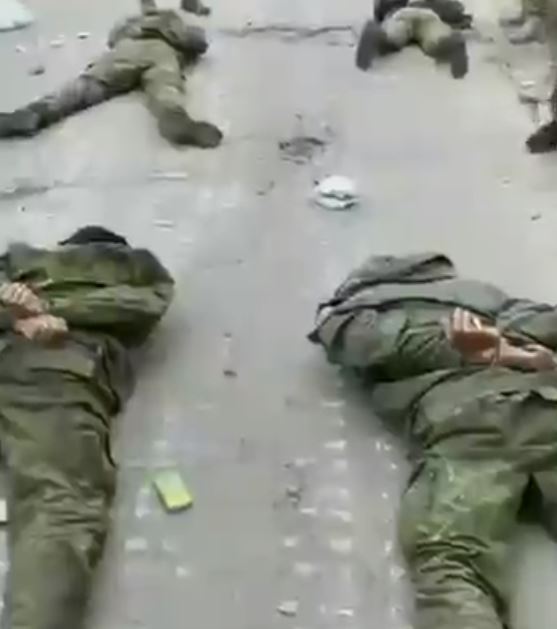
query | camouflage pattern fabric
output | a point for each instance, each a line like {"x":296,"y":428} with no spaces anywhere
{"x":147,"y":52}
{"x":57,"y":406}
{"x":482,"y":436}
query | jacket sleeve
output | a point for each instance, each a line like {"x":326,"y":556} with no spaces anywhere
{"x":126,"y":311}
{"x":531,"y":322}
{"x":385,"y":344}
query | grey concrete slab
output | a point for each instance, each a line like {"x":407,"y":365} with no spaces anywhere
{"x":439,"y":164}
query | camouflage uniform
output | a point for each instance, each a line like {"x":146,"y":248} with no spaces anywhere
{"x":149,"y":52}
{"x":57,"y":405}
{"x":482,"y":435}
{"x":428,"y":23}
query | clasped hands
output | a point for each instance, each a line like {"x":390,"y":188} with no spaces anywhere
{"x":30,"y":316}
{"x":481,"y":343}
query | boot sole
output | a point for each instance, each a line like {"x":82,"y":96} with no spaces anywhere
{"x":368,"y":45}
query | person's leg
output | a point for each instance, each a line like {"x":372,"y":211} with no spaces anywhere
{"x":164,"y":86}
{"x":61,"y":483}
{"x":116,"y":72}
{"x":74,"y":96}
{"x":456,"y":521}
{"x":380,"y":39}
{"x":440,"y":41}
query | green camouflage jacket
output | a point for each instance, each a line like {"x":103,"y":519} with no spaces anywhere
{"x":111,"y":296}
{"x":163,"y":24}
{"x":387,"y":321}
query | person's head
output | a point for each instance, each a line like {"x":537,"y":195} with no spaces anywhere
{"x":94,"y":234}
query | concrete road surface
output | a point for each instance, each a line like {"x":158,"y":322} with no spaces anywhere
{"x":295,"y":482}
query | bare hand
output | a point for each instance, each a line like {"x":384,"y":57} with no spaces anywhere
{"x":20,"y":299}
{"x":484,"y":344}
{"x":474,"y":340}
{"x":42,"y":328}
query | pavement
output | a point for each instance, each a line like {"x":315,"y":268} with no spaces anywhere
{"x":296,"y":483}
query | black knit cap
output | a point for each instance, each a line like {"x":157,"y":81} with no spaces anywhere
{"x":93,"y":233}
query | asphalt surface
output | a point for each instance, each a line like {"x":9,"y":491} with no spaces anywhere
{"x":295,"y":482}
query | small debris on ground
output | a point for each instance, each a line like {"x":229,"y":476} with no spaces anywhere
{"x":37,"y":70}
{"x":342,"y":546}
{"x":302,"y":148}
{"x":136,"y":544}
{"x":264,"y":190}
{"x":535,"y":217}
{"x":336,"y":193}
{"x":346,"y":613}
{"x":310,"y":511}
{"x":230,"y":373}
{"x":305,"y":569}
{"x":20,"y":49}
{"x":290,"y":542}
{"x":294,"y":494}
{"x":163,"y":222}
{"x":397,"y":573}
{"x":58,"y":42}
{"x":83,"y":35}
{"x":288,"y":608}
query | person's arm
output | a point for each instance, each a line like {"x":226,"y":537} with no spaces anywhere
{"x":127,"y":27}
{"x":387,"y":344}
{"x":536,"y":322}
{"x":483,"y":344}
{"x":128,"y":312}
{"x":189,"y":39}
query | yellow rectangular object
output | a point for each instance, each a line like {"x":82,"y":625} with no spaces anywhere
{"x":172,"y":490}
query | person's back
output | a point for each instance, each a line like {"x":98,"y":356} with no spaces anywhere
{"x":110,"y":295}
{"x":470,"y":374}
{"x":70,"y":315}
{"x":165,"y":25}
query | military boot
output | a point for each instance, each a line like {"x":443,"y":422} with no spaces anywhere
{"x":373,"y":43}
{"x":195,"y":6}
{"x":544,"y":140}
{"x":20,"y":123}
{"x":177,"y":127}
{"x":453,"y":51}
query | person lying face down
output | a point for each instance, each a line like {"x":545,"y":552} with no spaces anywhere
{"x":434,"y":25}
{"x":68,"y":317}
{"x":149,"y":51}
{"x":469,"y":374}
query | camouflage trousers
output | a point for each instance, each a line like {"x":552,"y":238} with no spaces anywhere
{"x":61,"y":479}
{"x":149,"y":64}
{"x":417,"y":25}
{"x":462,"y":508}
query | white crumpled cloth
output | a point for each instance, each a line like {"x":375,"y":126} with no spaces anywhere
{"x":14,"y":15}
